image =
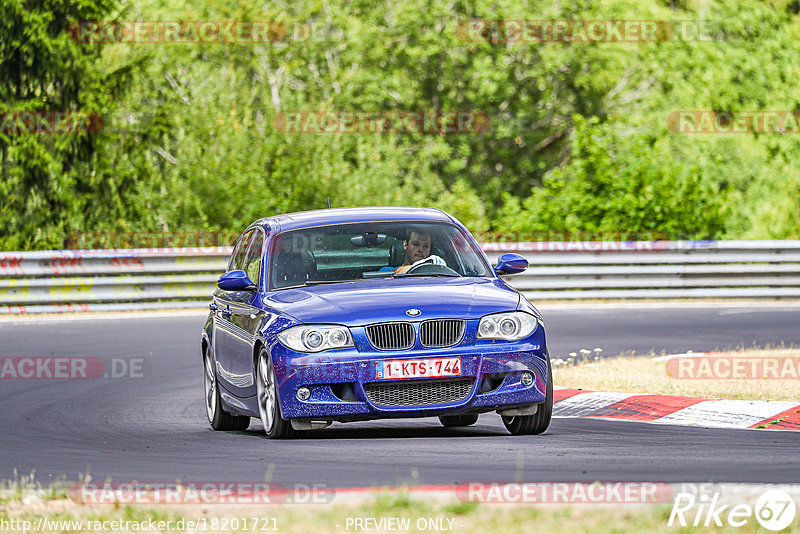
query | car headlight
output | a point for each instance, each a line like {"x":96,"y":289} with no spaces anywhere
{"x":316,"y":337}
{"x":510,"y":326}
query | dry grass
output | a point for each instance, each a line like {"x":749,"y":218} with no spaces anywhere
{"x":643,"y":374}
{"x":458,"y":517}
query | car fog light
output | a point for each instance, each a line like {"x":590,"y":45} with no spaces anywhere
{"x":527,"y":379}
{"x":303,"y":393}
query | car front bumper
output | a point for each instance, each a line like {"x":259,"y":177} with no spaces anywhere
{"x":495,"y":368}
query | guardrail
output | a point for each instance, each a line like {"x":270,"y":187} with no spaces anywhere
{"x":97,"y":280}
{"x":107,"y":280}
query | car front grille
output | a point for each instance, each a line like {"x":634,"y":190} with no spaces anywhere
{"x":441,"y":332}
{"x":418,"y":392}
{"x":391,"y":336}
{"x":432,"y":334}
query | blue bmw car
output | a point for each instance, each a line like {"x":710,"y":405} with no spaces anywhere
{"x":368,"y":313}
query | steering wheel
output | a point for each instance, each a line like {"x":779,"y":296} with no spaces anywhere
{"x":433,"y":268}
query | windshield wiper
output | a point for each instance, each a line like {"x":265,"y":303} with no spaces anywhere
{"x":404,"y":275}
{"x":318,"y":282}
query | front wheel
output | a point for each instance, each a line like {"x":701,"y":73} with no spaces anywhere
{"x":538,"y":422}
{"x":275,"y":426}
{"x":219,"y":418}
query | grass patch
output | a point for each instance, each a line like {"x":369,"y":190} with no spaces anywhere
{"x":461,"y":508}
{"x":643,"y":374}
{"x":419,"y":515}
{"x":396,"y":503}
{"x":21,"y":486}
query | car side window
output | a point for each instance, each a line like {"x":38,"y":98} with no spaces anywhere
{"x":252,"y":260}
{"x":237,"y":258}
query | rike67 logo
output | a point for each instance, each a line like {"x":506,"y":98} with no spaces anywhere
{"x":774,"y":510}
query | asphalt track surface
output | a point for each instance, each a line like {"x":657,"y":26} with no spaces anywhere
{"x":153,"y":428}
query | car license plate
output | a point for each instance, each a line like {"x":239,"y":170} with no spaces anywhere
{"x":427,"y":368}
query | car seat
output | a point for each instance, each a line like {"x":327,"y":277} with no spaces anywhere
{"x":293,"y":267}
{"x":397,"y":253}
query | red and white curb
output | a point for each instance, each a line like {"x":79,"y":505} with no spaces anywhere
{"x":675,"y":410}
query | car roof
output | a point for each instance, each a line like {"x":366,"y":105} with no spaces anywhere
{"x":304,"y":219}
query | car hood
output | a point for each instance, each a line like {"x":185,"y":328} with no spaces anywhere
{"x":365,"y":302}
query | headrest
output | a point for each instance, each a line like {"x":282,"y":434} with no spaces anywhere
{"x":397,"y":254}
{"x":293,"y":267}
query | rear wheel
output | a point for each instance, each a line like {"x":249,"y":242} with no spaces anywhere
{"x":458,"y":420}
{"x":538,"y":422}
{"x":219,"y":418}
{"x":275,"y":426}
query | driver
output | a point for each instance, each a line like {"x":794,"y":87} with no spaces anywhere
{"x":418,"y":250}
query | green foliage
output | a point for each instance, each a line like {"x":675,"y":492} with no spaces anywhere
{"x":48,"y":183}
{"x":578,"y":139}
{"x":465,"y":205}
{"x":616,"y":181}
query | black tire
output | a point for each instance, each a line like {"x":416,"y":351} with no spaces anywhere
{"x":458,"y":420}
{"x":219,"y":418}
{"x":537,"y":423}
{"x":275,"y":426}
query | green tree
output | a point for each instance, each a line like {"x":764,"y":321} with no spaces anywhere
{"x":44,"y":71}
{"x":620,"y":183}
{"x":578,"y":139}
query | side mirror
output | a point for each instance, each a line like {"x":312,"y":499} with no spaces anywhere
{"x":510,"y":264}
{"x":235,"y":281}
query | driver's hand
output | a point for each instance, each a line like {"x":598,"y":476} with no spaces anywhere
{"x":433,"y":259}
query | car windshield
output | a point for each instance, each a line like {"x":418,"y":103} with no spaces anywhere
{"x":358,"y":251}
